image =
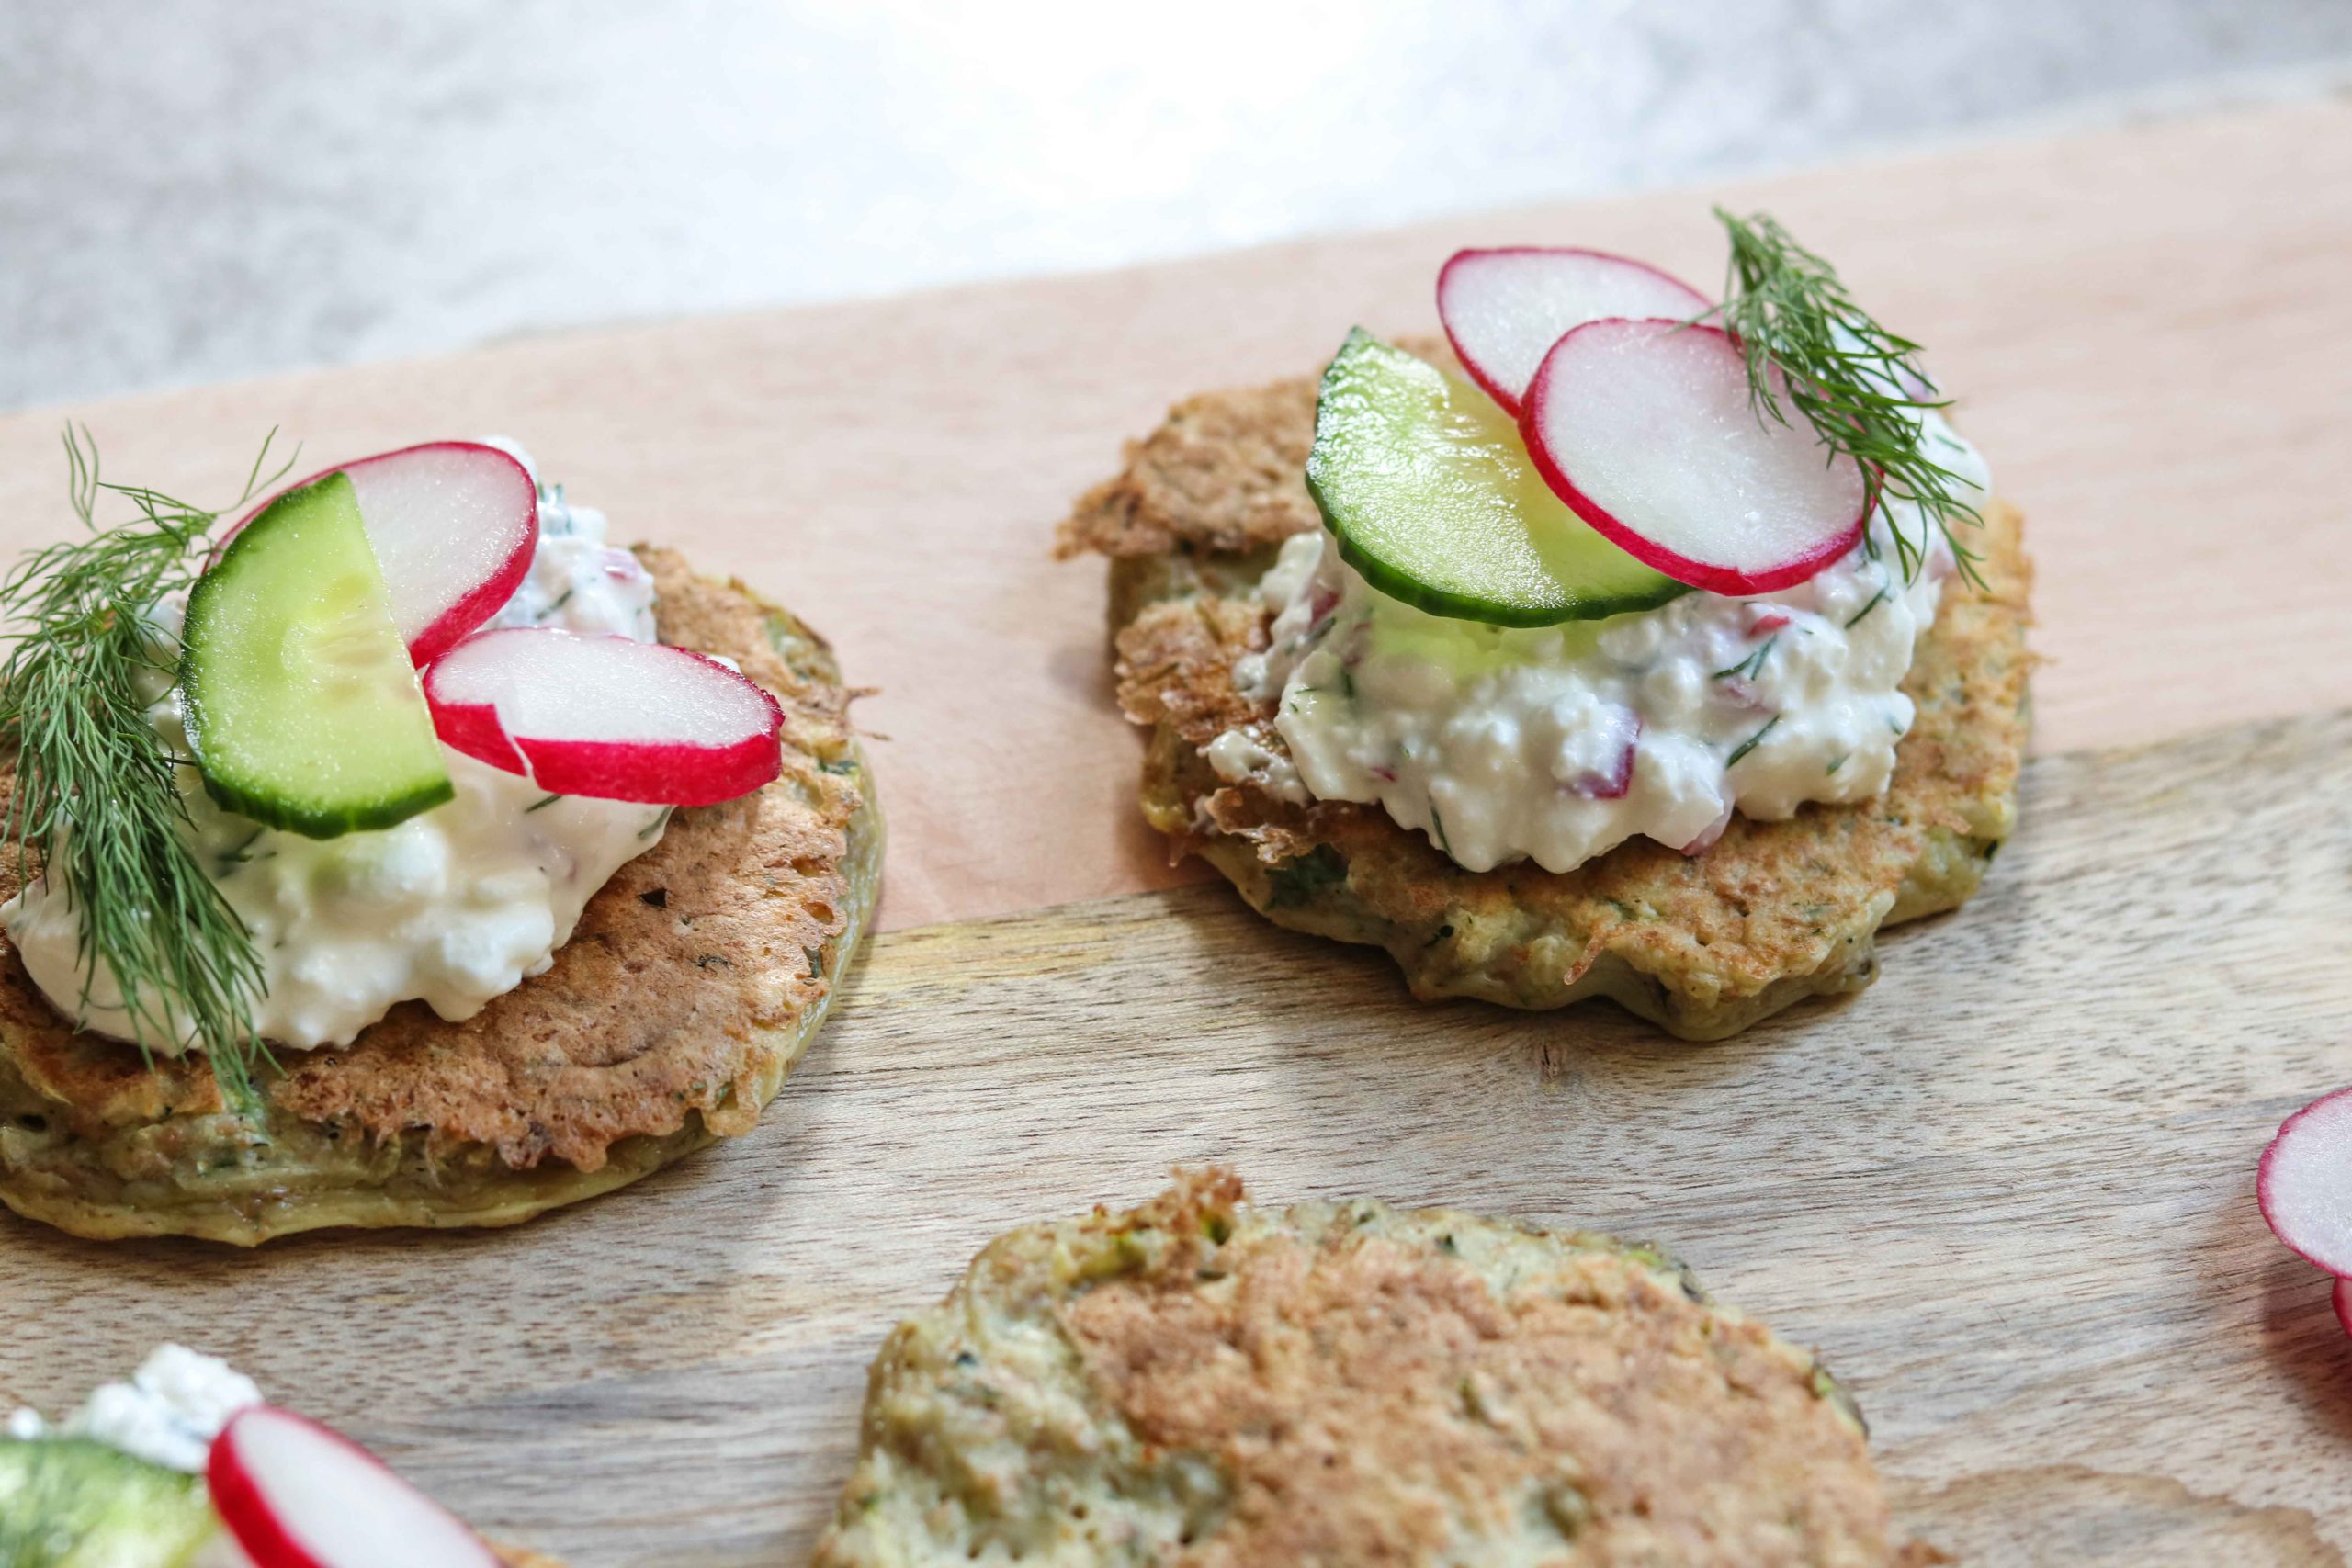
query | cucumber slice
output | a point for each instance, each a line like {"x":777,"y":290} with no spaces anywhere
{"x":72,"y":1503}
{"x":1426,"y":484}
{"x":301,"y":702}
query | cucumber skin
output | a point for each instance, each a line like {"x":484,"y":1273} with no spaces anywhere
{"x":1409,"y":590}
{"x":268,"y":811}
{"x":330,"y":824}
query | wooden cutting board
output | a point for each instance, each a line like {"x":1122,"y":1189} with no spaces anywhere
{"x":2008,"y":1191}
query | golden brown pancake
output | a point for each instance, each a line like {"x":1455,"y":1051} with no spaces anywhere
{"x":693,"y":983}
{"x":1703,"y":946}
{"x":1199,"y":1383}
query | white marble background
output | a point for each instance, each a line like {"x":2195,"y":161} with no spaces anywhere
{"x":221,"y":188}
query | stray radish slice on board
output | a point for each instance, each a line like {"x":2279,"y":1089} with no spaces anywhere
{"x":297,"y":1494}
{"x":2304,"y":1182}
{"x":1645,"y":430}
{"x":606,"y":717}
{"x":454,"y":526}
{"x":1503,"y":309}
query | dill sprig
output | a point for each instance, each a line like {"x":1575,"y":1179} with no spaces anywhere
{"x":95,"y":804}
{"x":1858,"y":385}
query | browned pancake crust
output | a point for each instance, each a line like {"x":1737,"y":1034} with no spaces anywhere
{"x":1222,"y":475}
{"x":1774,"y":912}
{"x":672,"y":1016}
{"x":1196,"y":1382}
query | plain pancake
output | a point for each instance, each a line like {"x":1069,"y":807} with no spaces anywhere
{"x":691,"y":984}
{"x":1704,"y":946}
{"x":1199,"y":1383}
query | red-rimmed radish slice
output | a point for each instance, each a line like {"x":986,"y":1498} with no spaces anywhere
{"x":296,"y":1495}
{"x":2341,"y":1298}
{"x":2304,"y":1183}
{"x":1645,"y":430}
{"x":1503,"y":309}
{"x":454,"y":526}
{"x":606,"y":717}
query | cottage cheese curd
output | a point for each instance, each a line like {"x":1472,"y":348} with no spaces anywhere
{"x":455,"y":906}
{"x":1556,"y":744}
{"x":168,"y":1413}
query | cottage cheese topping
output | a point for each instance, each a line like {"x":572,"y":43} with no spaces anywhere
{"x":168,"y":1413}
{"x":576,"y":581}
{"x":455,"y":906}
{"x":1557,"y":743}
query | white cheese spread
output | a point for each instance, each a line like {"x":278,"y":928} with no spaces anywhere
{"x":576,"y":581}
{"x":1556,"y":744}
{"x":168,"y":1413}
{"x":454,"y":907}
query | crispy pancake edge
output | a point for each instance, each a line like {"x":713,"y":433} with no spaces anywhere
{"x":1196,"y":1381}
{"x":1704,"y":947}
{"x":693,"y":983}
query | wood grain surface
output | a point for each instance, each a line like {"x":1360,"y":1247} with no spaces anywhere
{"x":2145,"y":329}
{"x":2008,"y":1192}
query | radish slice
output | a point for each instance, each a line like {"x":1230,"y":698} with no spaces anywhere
{"x":297,"y":1494}
{"x":2304,"y":1183}
{"x":2342,"y":1298}
{"x":1503,"y":309}
{"x":454,"y":526}
{"x":606,"y":717}
{"x":1645,"y":430}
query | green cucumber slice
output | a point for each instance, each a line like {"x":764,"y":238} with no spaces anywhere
{"x":1426,"y":484}
{"x":73,"y":1503}
{"x":301,"y":702}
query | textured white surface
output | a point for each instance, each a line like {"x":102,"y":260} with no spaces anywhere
{"x":226,"y":187}
{"x":454,"y":907}
{"x":168,"y":1413}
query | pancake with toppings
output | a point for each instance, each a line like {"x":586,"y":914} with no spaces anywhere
{"x":1200,"y":1382}
{"x":690,"y":986}
{"x":1702,"y":944}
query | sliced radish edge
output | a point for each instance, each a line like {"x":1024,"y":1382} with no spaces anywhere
{"x":1543,"y":424}
{"x":434,"y":621}
{"x":2304,"y":1182}
{"x":1612,"y":286}
{"x":693,"y":733}
{"x":281,"y":1521}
